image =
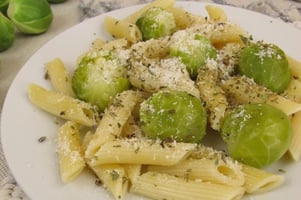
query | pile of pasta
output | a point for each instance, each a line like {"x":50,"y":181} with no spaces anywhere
{"x":116,"y":150}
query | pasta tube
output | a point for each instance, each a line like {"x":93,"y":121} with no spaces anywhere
{"x":59,"y":77}
{"x":71,"y":157}
{"x":156,"y":3}
{"x":295,"y":146}
{"x":257,"y":180}
{"x":213,"y":96}
{"x":243,"y":90}
{"x":114,"y":118}
{"x":293,"y":91}
{"x":185,"y":19}
{"x":216,"y":13}
{"x":295,"y":66}
{"x":63,"y":106}
{"x":114,"y":179}
{"x":136,"y":151}
{"x":211,"y":170}
{"x":122,"y":29}
{"x":162,"y":186}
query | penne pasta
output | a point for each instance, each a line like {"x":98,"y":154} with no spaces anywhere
{"x":141,"y":151}
{"x":114,"y":118}
{"x":86,"y":139}
{"x":258,"y":181}
{"x":63,"y":106}
{"x":185,"y":19}
{"x":132,"y":171}
{"x":209,"y":170}
{"x":295,"y":146}
{"x":131,"y":129}
{"x":70,"y":154}
{"x":243,"y":90}
{"x":216,"y":14}
{"x":165,"y":4}
{"x":214,"y":97}
{"x":121,"y":43}
{"x":122,"y":29}
{"x":156,"y":185}
{"x":114,"y":179}
{"x":59,"y":77}
{"x":295,"y":66}
{"x":293,"y":90}
{"x":226,"y":33}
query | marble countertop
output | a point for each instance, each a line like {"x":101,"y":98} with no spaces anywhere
{"x":73,"y":12}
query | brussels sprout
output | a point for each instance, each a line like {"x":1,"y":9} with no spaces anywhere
{"x":170,"y":114}
{"x":7,"y":33}
{"x":4,"y":6}
{"x":30,"y":16}
{"x":56,"y":1}
{"x":266,"y":64}
{"x":99,"y":76}
{"x":156,"y":22}
{"x":192,"y":50}
{"x":256,"y":134}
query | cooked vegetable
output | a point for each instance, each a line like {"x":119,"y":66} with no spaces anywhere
{"x":99,"y":76}
{"x":30,"y":16}
{"x":7,"y":33}
{"x":171,"y":114}
{"x":4,"y":6}
{"x":256,"y":134}
{"x":194,"y":50}
{"x":156,"y":22}
{"x":266,"y":64}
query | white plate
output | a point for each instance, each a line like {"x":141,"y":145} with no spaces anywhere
{"x":34,"y":164}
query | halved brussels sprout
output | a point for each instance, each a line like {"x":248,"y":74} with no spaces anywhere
{"x":193,"y":50}
{"x":99,"y":77}
{"x":176,"y":115}
{"x":7,"y":33}
{"x":156,"y":22}
{"x":30,"y":16}
{"x":256,"y":134}
{"x":266,"y":64}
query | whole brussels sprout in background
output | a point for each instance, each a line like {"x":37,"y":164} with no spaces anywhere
{"x":176,"y":115}
{"x":7,"y":33}
{"x":99,"y":76}
{"x":193,"y":50}
{"x":30,"y":16}
{"x":266,"y":64}
{"x":256,"y":134}
{"x":56,"y":1}
{"x":4,"y":6}
{"x":156,"y":22}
